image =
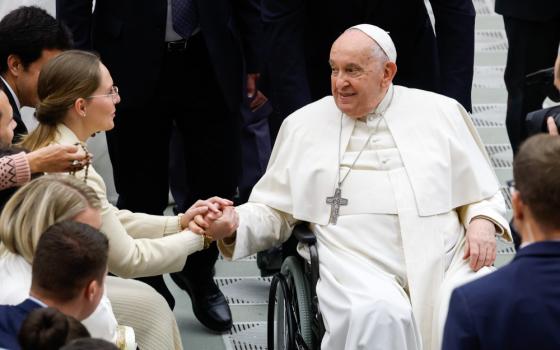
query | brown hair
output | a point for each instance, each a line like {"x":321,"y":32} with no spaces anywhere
{"x":65,"y":78}
{"x":49,"y":329}
{"x":39,"y":204}
{"x":536,"y":170}
{"x":69,"y":256}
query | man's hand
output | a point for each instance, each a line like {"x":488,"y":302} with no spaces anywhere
{"x":224,"y":226}
{"x":216,"y":226}
{"x":252,"y":84}
{"x":57,"y":158}
{"x":551,"y":125}
{"x":481,"y":243}
{"x":211,"y":206}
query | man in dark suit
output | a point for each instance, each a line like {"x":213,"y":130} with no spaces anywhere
{"x":72,"y":282}
{"x":29,"y":37}
{"x":518,"y":306}
{"x":533,"y":33}
{"x":454,"y":27}
{"x":180,"y":62}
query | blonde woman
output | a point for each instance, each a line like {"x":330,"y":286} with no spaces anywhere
{"x":27,"y":215}
{"x":54,"y":198}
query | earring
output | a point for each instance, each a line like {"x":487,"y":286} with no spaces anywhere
{"x":83,"y":114}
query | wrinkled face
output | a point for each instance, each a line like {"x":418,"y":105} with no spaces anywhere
{"x":357,"y":77}
{"x":100,"y":108}
{"x":26,"y":80}
{"x":7,"y":122}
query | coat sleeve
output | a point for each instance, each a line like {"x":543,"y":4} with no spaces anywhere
{"x":459,"y":332}
{"x":14,"y":170}
{"x":77,"y":16}
{"x":260,"y":227}
{"x":130,"y":257}
{"x":492,"y":209}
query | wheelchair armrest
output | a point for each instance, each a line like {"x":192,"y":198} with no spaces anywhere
{"x":303,"y":234}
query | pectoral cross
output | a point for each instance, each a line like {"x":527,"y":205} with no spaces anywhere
{"x":336,"y":201}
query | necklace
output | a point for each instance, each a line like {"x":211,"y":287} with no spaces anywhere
{"x":76,"y":164}
{"x":336,"y":200}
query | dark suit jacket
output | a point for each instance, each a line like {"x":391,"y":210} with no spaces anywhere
{"x":531,"y":10}
{"x":516,"y":307}
{"x":11,"y":318}
{"x":129,"y":35}
{"x":20,"y":127}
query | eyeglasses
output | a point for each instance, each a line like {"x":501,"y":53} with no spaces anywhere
{"x":114,"y":95}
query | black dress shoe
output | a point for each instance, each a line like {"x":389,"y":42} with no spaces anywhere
{"x":209,"y":304}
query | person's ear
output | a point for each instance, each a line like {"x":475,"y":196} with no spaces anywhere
{"x":389,"y":71}
{"x":92,"y":290}
{"x":518,"y":208}
{"x":15,"y":65}
{"x":80,"y":107}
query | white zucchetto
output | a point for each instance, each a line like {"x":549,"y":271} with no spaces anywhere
{"x":381,"y":37}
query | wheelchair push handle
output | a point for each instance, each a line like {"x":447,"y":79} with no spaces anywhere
{"x":304,"y":235}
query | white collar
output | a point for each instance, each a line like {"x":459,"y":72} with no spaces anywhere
{"x":32,"y":298}
{"x":12,"y":92}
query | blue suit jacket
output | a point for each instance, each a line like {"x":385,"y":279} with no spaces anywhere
{"x":516,"y":307}
{"x":11,"y":318}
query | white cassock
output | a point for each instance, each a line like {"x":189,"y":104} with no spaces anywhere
{"x":388,"y":266}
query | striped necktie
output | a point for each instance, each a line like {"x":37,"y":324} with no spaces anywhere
{"x":184,"y":16}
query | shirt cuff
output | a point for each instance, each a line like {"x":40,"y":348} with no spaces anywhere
{"x":500,"y":231}
{"x":23,"y":171}
{"x":172,"y":225}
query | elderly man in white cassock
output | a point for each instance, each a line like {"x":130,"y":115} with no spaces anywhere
{"x":398,"y":190}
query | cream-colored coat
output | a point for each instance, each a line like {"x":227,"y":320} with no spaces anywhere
{"x":446,"y":167}
{"x":139,"y":244}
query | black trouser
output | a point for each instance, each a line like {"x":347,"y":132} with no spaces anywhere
{"x":189,"y":96}
{"x":532,"y":46}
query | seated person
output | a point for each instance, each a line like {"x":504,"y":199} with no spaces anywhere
{"x":54,"y":198}
{"x":68,"y":274}
{"x":30,"y":37}
{"x":398,"y":190}
{"x":47,"y":328}
{"x":518,"y":306}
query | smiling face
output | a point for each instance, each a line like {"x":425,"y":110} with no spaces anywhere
{"x":100,"y":106}
{"x":359,"y":79}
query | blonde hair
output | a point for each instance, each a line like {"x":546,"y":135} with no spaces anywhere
{"x":71,"y":75}
{"x":38,"y":205}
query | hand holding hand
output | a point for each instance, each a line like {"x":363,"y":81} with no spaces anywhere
{"x":57,"y":158}
{"x":481,"y":243}
{"x":225,"y":225}
{"x":210,"y":207}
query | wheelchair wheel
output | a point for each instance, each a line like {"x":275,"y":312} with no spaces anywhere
{"x":300,"y":302}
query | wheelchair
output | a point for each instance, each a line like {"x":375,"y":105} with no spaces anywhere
{"x":294,"y":318}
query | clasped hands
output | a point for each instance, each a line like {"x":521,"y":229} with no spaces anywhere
{"x":214,"y":218}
